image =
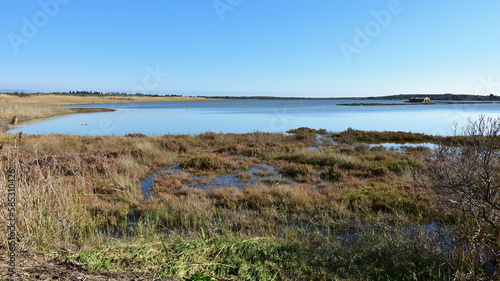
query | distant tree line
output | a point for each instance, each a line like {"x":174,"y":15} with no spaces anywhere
{"x":448,"y":97}
{"x":453,"y":97}
{"x":269,"y":98}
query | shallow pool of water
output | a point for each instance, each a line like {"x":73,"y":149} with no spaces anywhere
{"x":262,"y":173}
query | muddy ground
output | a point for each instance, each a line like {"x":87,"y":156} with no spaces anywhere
{"x":35,"y":266}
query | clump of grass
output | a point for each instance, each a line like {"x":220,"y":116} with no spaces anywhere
{"x":164,"y":185}
{"x":406,"y":164}
{"x":381,"y":198}
{"x":361,"y":147}
{"x":301,"y":173}
{"x":378,"y":148}
{"x":379,"y":171}
{"x":306,"y":135}
{"x":351,"y":135}
{"x":206,"y":164}
{"x":345,"y":149}
{"x":252,"y":152}
{"x":332,"y":174}
{"x":306,"y":130}
{"x":229,"y":198}
{"x":178,"y":146}
{"x":199,"y":276}
{"x":136,"y":135}
{"x":245,"y":176}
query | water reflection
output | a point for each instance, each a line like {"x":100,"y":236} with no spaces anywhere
{"x":242,"y":116}
{"x":262,"y":173}
{"x":404,"y":146}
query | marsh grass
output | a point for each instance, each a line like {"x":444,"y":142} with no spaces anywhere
{"x":74,"y":190}
{"x":256,"y":258}
{"x":207,"y":165}
{"x":377,"y":253}
{"x":68,"y":190}
{"x":304,"y":173}
{"x":351,"y":135}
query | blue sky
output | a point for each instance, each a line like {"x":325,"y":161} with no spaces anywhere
{"x":251,"y":47}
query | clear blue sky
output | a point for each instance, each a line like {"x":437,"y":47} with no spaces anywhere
{"x":252,"y":47}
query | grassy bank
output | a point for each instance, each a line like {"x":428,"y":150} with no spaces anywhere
{"x":47,"y":105}
{"x":337,"y":212}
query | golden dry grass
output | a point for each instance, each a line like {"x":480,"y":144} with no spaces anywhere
{"x":47,"y":105}
{"x":53,"y":99}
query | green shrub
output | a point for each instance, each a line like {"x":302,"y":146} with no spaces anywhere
{"x":406,"y":164}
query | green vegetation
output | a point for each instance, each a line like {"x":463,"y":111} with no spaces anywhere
{"x":198,"y":276}
{"x":343,"y":211}
{"x":352,"y":135}
{"x":207,"y":164}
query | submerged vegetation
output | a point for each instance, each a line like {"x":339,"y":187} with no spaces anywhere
{"x":340,"y":210}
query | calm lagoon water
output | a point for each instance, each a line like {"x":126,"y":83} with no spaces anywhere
{"x":243,"y":116}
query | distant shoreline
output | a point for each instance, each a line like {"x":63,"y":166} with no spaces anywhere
{"x":406,"y":97}
{"x":125,"y":96}
{"x":29,"y":106}
{"x":413,"y":103}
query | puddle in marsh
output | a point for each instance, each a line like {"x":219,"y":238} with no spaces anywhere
{"x":325,"y":141}
{"x":405,"y":146}
{"x":263,"y":173}
{"x":431,"y":234}
{"x":322,"y":141}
